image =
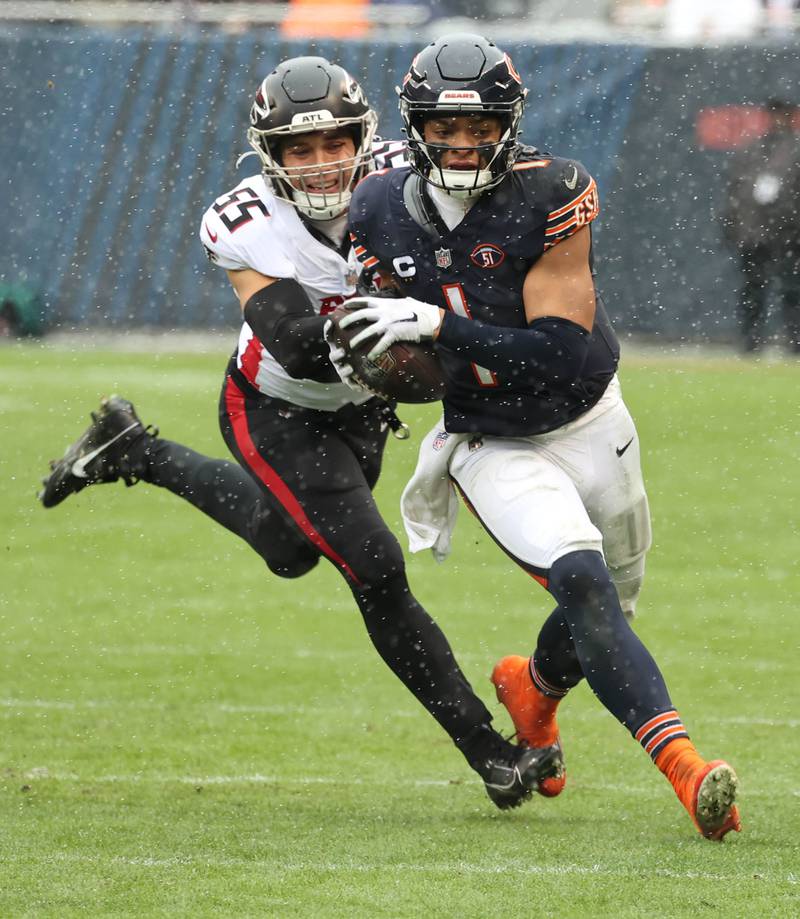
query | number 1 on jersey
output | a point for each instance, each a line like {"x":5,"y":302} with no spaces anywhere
{"x":457,"y":302}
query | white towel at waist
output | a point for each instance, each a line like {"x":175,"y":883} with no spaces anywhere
{"x":429,"y":503}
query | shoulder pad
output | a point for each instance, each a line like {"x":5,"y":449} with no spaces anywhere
{"x":527,"y":152}
{"x":570,"y":197}
{"x":372,"y":185}
{"x":240,"y":230}
{"x":366,"y":206}
{"x":389,"y":153}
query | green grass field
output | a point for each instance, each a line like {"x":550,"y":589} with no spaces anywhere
{"x":185,"y":735}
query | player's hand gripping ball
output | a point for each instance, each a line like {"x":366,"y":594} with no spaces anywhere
{"x":405,"y":372}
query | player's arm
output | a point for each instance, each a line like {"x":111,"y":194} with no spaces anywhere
{"x":558,"y":300}
{"x":559,"y":303}
{"x":560,"y":285}
{"x":282,"y":317}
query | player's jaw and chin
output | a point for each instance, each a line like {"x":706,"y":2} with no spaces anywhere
{"x":460,"y":150}
{"x":326,"y":182}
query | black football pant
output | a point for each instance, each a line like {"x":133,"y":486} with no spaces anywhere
{"x":302,"y":490}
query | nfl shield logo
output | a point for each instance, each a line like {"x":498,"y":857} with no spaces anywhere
{"x":440,"y":440}
{"x":443,"y":259}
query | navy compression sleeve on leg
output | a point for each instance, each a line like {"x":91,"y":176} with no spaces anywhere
{"x":555,"y":657}
{"x":617,"y":666}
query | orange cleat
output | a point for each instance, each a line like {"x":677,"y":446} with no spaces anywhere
{"x":706,"y":790}
{"x":533,"y":714}
{"x":708,"y":794}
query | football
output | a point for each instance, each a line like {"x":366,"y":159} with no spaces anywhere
{"x":405,"y":372}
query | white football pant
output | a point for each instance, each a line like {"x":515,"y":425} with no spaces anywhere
{"x":580,"y":487}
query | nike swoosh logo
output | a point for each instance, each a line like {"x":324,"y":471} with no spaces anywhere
{"x":571,"y":183}
{"x":621,"y":450}
{"x":79,"y":466}
{"x":513,"y":776}
{"x":214,"y":237}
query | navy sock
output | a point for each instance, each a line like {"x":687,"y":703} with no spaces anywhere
{"x":617,"y":666}
{"x":555,"y":667}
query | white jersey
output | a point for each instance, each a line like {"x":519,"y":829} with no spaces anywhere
{"x":250,"y":228}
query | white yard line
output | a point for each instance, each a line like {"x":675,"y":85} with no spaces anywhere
{"x":624,"y":789}
{"x":256,"y":778}
{"x":279,"y":709}
{"x":515,"y":867}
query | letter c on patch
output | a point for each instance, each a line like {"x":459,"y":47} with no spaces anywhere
{"x":404,"y":266}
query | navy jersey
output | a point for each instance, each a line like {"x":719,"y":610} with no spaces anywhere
{"x":477,"y":270}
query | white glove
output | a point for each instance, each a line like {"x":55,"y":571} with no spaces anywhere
{"x":338,"y":357}
{"x":404,"y":319}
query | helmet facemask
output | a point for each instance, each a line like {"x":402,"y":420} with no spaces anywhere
{"x":426,"y":157}
{"x":298,"y":185}
{"x":456,"y":75}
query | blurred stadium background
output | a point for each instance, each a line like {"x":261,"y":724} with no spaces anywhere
{"x":123,"y":120}
{"x":181,"y":732}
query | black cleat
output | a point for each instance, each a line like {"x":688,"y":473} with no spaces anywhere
{"x":511,"y":779}
{"x":100,"y":454}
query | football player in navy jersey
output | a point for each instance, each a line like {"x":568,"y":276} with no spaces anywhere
{"x":490,"y":245}
{"x":308,"y":447}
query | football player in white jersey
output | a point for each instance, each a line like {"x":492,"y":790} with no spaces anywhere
{"x":309,"y":445}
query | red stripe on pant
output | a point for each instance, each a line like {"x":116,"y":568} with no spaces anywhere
{"x":235,"y":406}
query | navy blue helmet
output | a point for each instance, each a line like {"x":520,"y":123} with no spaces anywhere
{"x":462,"y":74}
